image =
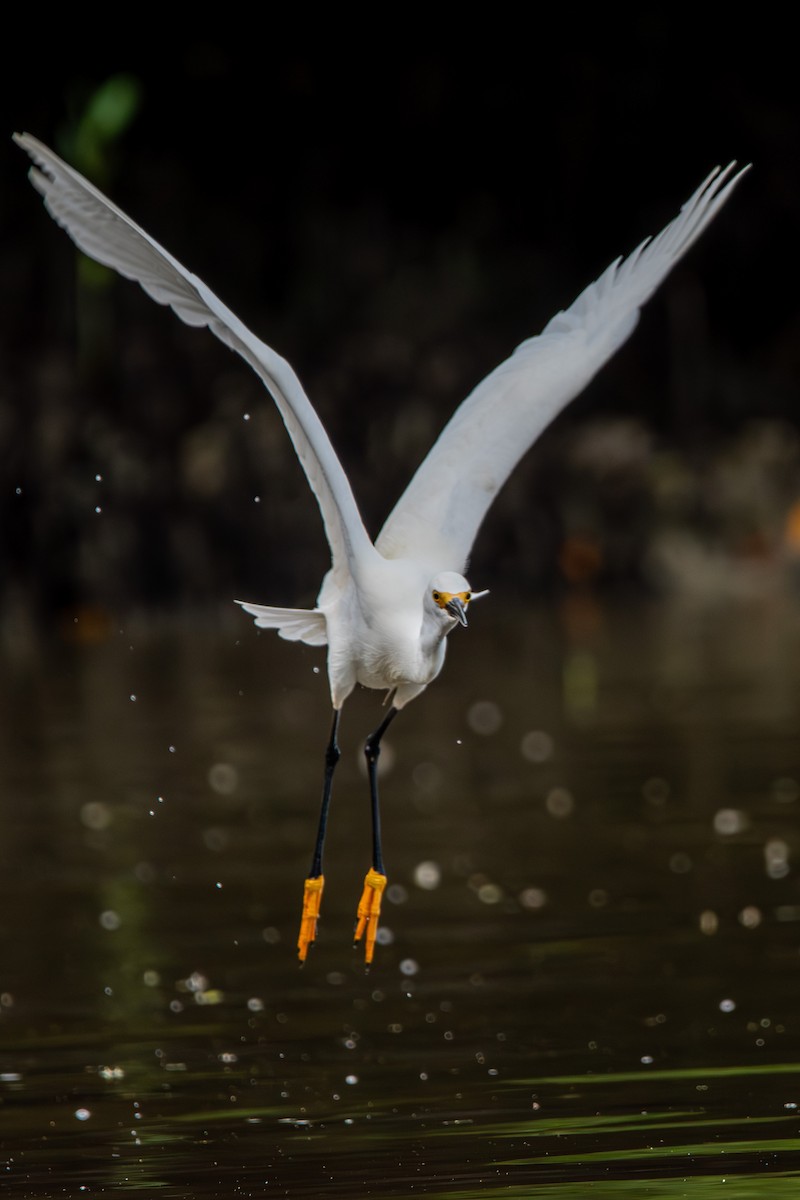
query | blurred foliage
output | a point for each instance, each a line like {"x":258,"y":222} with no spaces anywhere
{"x":87,"y":144}
{"x":108,"y":113}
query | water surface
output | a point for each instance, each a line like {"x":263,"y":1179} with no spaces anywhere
{"x":589,"y":973}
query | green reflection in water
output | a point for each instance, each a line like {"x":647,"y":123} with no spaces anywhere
{"x":658,"y":1074}
{"x":772,"y":1186}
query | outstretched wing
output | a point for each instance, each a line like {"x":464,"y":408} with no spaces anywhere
{"x":293,"y":624}
{"x":440,"y":512}
{"x":104,"y":232}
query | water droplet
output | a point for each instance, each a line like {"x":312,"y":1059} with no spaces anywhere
{"x":490,"y":893}
{"x":484,"y":717}
{"x":750,"y":917}
{"x":536,"y":746}
{"x":223,"y":778}
{"x":709,"y":922}
{"x":96,"y":815}
{"x":728,"y":821}
{"x":427,"y":875}
{"x":656,"y":791}
{"x":559,"y":803}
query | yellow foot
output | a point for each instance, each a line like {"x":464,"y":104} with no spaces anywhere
{"x":369,"y":909}
{"x":312,"y":898}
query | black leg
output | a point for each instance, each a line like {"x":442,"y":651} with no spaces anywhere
{"x":372,"y":750}
{"x":312,"y":892}
{"x":369,"y":907}
{"x":332,"y":755}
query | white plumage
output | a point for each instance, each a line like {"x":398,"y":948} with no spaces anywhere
{"x":385,"y":610}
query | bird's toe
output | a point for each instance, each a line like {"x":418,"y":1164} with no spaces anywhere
{"x":312,"y":898}
{"x":369,"y":911}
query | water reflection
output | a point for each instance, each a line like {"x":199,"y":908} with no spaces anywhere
{"x":590,"y":963}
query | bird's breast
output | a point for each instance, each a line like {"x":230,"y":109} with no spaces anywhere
{"x":378,"y":634}
{"x":389,"y":658}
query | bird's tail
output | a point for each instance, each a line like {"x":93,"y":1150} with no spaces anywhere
{"x":293,"y":624}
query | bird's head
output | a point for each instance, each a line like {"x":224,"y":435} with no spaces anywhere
{"x":450,"y":593}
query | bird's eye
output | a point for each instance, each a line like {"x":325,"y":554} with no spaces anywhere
{"x":467,"y":596}
{"x":437,"y":597}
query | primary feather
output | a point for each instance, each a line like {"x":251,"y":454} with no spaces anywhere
{"x":503,"y":416}
{"x":105,"y":233}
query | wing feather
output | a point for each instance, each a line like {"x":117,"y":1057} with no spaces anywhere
{"x":293,"y":624}
{"x":105,"y":233}
{"x":440,"y":512}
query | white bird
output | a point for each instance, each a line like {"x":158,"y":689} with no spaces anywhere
{"x":385,"y":609}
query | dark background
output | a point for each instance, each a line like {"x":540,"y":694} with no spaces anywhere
{"x":393,"y":208}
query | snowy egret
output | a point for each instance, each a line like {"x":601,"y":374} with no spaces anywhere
{"x":385,"y":609}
